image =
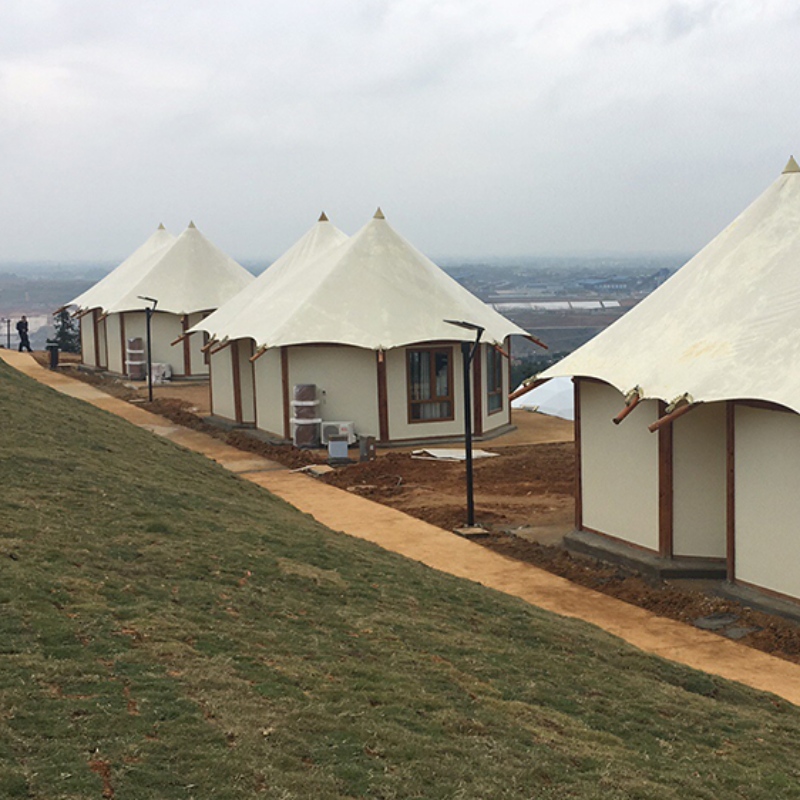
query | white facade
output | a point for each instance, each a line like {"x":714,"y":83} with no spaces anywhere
{"x":348,"y":381}
{"x":618,"y":467}
{"x":766,"y":552}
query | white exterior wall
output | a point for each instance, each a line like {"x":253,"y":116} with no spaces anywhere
{"x":87,"y":340}
{"x":699,"y":482}
{"x":269,"y":392}
{"x":767,"y":502}
{"x":165,"y":329}
{"x":619,"y":467}
{"x":222,"y":400}
{"x":196,"y":341}
{"x":114,"y":340}
{"x":397,"y":392}
{"x":346,"y":380}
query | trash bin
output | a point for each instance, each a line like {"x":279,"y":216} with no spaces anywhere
{"x":52,"y":348}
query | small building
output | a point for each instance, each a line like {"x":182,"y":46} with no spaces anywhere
{"x":364,"y":320}
{"x":701,"y":378}
{"x":188,"y":276}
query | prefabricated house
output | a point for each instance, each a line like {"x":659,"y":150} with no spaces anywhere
{"x":702,"y":381}
{"x":188,"y":277}
{"x":365,"y":322}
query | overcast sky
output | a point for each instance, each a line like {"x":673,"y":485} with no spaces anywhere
{"x":482,"y":127}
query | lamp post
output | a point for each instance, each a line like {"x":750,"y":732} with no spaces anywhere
{"x":468,"y":351}
{"x":149,"y":310}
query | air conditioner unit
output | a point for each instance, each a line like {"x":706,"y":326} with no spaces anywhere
{"x":347,"y":429}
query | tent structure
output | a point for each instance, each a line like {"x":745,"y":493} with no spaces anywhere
{"x":92,"y":303}
{"x":701,"y":378}
{"x":236,"y":323}
{"x":188,"y":276}
{"x":365,"y":322}
{"x":555,"y":398}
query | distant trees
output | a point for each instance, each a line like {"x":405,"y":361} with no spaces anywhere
{"x":67,"y":334}
{"x":528,"y":366}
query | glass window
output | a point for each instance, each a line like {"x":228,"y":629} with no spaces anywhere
{"x":430,"y":384}
{"x":494,"y":380}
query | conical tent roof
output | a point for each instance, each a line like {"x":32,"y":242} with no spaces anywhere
{"x":375,"y":291}
{"x":243,"y":315}
{"x":192,"y":275}
{"x":120,"y":279}
{"x":725,"y":326}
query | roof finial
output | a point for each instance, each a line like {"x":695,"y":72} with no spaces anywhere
{"x":161,"y":226}
{"x":791,"y":166}
{"x":379,"y":214}
{"x":323,"y":217}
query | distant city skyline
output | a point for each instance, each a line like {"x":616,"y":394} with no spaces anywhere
{"x":483,"y":129}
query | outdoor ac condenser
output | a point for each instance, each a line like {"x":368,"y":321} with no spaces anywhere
{"x":347,"y":429}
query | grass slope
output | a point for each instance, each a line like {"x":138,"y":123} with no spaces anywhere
{"x":170,"y":631}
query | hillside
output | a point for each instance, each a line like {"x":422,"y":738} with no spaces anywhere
{"x":170,"y":631}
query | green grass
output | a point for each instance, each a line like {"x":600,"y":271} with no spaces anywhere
{"x":170,"y":631}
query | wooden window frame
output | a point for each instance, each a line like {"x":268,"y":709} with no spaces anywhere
{"x":431,"y":352}
{"x":494,"y":358}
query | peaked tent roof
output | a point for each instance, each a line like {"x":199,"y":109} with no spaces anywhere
{"x":725,"y":326}
{"x":121,"y":278}
{"x":192,"y":275}
{"x":241,"y":316}
{"x":374,"y":291}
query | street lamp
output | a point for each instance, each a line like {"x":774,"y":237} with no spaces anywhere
{"x":149,"y":310}
{"x":468,"y":351}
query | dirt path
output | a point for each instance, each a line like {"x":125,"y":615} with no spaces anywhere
{"x":394,"y":530}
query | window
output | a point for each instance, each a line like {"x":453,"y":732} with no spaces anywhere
{"x":494,"y":380}
{"x":430,"y":384}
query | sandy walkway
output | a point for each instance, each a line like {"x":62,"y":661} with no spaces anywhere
{"x":393,"y":530}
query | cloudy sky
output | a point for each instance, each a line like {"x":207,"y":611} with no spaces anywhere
{"x":482,"y":127}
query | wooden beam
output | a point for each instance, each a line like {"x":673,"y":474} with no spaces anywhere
{"x":536,"y":341}
{"x":730,"y":489}
{"x":209,"y":344}
{"x":260,"y":352}
{"x":578,"y":467}
{"x":665,"y":489}
{"x":668,"y":419}
{"x":383,"y":397}
{"x":527,"y":387}
{"x":287,"y":425}
{"x":501,"y":351}
{"x":187,"y":346}
{"x":237,"y":382}
{"x":627,"y":410}
{"x":220,"y":346}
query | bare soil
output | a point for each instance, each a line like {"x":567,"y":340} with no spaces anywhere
{"x":524,"y":498}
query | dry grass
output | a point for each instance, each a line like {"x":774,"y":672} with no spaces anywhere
{"x":170,"y":631}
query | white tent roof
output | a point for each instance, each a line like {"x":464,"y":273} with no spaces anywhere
{"x":120,"y":279}
{"x":725,"y":326}
{"x":242,"y":315}
{"x":374,"y":291}
{"x":554,"y":398}
{"x":192,"y":275}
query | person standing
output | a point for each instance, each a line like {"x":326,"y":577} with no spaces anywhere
{"x":22,"y":330}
